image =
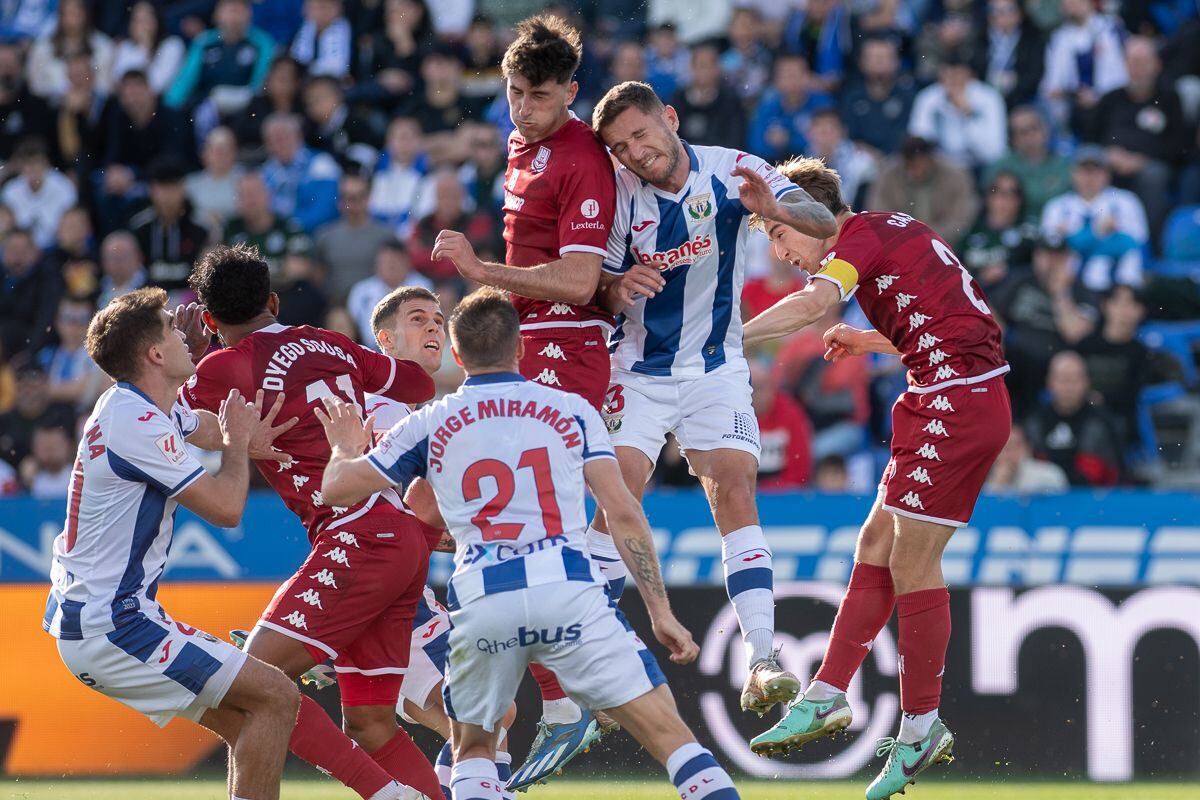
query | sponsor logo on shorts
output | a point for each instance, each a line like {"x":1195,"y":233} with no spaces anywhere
{"x":345,"y":537}
{"x":917,"y":320}
{"x":296,"y":620}
{"x":338,"y":556}
{"x":299,"y":481}
{"x":927,"y":341}
{"x":945,"y":372}
{"x":548,"y":377}
{"x":921,"y":475}
{"x":937,"y":357}
{"x":941,"y":404}
{"x":495,"y":553}
{"x":312,"y":597}
{"x":928,"y":451}
{"x":745,"y":428}
{"x":568,"y":636}
{"x":552,"y":350}
{"x":912,"y":500}
{"x":936,"y":427}
{"x":325,"y":578}
{"x":559,"y":309}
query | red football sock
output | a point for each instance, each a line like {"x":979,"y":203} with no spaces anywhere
{"x":864,"y":611}
{"x":924,"y":636}
{"x":407,"y":764}
{"x":323,"y":744}
{"x":546,"y":681}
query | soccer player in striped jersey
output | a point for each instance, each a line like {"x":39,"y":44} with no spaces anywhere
{"x":131,"y":473}
{"x":674,"y":270}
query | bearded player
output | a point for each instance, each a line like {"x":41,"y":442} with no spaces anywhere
{"x":948,"y":428}
{"x":558,"y":209}
{"x":354,"y":598}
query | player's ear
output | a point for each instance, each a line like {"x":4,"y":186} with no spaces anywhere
{"x":273,"y":304}
{"x":520,"y":349}
{"x":572,"y":90}
{"x":457,"y":358}
{"x":672,"y":117}
{"x":383,"y":337}
{"x":209,"y":322}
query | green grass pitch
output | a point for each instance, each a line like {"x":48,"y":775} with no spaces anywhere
{"x":930,"y":789}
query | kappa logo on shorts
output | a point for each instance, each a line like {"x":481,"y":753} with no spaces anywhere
{"x":345,"y":537}
{"x":548,"y":376}
{"x":937,"y":357}
{"x":937,"y":428}
{"x":312,"y":597}
{"x":296,"y":620}
{"x":941,"y":404}
{"x":325,"y":578}
{"x":945,"y":372}
{"x":552,"y":350}
{"x":921,"y":475}
{"x":912,"y":500}
{"x":338,"y":556}
{"x":928,"y":451}
{"x":559,"y":310}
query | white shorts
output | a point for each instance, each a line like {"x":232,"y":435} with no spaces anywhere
{"x":160,"y":668}
{"x":428,"y":652}
{"x":712,"y":412}
{"x":568,"y":627}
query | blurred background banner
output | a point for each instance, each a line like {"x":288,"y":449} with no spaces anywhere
{"x":1076,"y":649}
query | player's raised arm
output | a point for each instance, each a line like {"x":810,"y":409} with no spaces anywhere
{"x":792,"y":313}
{"x":221,"y":498}
{"x":572,"y":278}
{"x":349,"y":476}
{"x":796,"y":208}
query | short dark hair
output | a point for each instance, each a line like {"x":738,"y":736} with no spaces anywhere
{"x":122,"y":330}
{"x":620,"y":98}
{"x":32,"y":147}
{"x":485,"y":329}
{"x":387,"y":308}
{"x":546,"y":48}
{"x":395,"y":244}
{"x":828,"y":112}
{"x":822,"y":182}
{"x":234,"y":283}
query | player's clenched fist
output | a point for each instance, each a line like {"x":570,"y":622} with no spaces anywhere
{"x":843,"y":340}
{"x":344,"y":428}
{"x":454,"y":246}
{"x":238,"y":420}
{"x":672,"y":635}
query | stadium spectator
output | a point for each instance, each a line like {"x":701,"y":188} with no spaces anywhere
{"x":21,"y":22}
{"x":347,"y":246}
{"x":1142,"y":127}
{"x":397,"y":183}
{"x":783,"y":431}
{"x":779,"y":125}
{"x":1012,"y":56}
{"x":121,"y":263}
{"x":483,"y":172}
{"x":963,"y":115}
{"x":225,"y":65}
{"x":1045,"y":310}
{"x":168,"y":237}
{"x":830,"y":475}
{"x":482,"y":80}
{"x":40,"y":194}
{"x":1067,"y":430}
{"x":747,"y":62}
{"x":212,"y":191}
{"x":46,"y":472}
{"x":628,"y":63}
{"x":25,"y":114}
{"x":1104,"y":226}
{"x":928,"y":187}
{"x":827,"y":141}
{"x":1043,"y":174}
{"x":1002,"y":238}
{"x":393,"y":269}
{"x":280,"y":95}
{"x":1084,"y":61}
{"x":73,"y":34}
{"x":73,"y":239}
{"x":72,"y":377}
{"x":350,"y":136}
{"x":694,"y":20}
{"x":710,"y":113}
{"x":876,"y":107}
{"x":31,"y":409}
{"x":819,"y":30}
{"x":149,"y":48}
{"x":257,"y":225}
{"x":323,"y":43}
{"x":667,"y":62}
{"x":440,"y":106}
{"x":1016,"y":471}
{"x":949,"y":33}
{"x":302,"y":182}
{"x":391,"y":58}
{"x":29,"y":293}
{"x":450,"y":212}
{"x":79,"y":121}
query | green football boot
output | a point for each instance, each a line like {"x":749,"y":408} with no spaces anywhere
{"x":806,"y":721}
{"x":906,"y":761}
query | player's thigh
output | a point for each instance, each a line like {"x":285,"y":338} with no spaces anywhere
{"x":259,"y":687}
{"x":716,"y":413}
{"x":653,"y":720}
{"x":589,"y":645}
{"x":487,"y":658}
{"x":639,"y":413}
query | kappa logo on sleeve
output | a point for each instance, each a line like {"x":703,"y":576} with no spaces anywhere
{"x":171,"y":447}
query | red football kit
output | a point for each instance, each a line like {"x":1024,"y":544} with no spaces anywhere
{"x":559,"y":198}
{"x":950,"y":425}
{"x":354,"y":597}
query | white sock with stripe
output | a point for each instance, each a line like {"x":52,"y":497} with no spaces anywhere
{"x":749,"y":581}
{"x":698,"y":776}
{"x":393,"y":791}
{"x":604,"y":552}
{"x":504,"y":771}
{"x":475,"y":779}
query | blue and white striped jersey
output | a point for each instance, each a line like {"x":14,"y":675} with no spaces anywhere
{"x":505,"y":458}
{"x":698,"y":240}
{"x":130,"y":464}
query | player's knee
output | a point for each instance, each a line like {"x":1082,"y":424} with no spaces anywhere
{"x":371,"y":726}
{"x":273,"y":694}
{"x":734,"y":491}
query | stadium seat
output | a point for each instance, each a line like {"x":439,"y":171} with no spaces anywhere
{"x":1176,"y":338}
{"x":1168,"y":268}
{"x":1181,"y":235}
{"x":1148,"y":398}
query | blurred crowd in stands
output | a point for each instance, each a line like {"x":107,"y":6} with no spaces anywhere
{"x":1053,"y":143}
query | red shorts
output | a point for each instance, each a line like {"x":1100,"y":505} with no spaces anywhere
{"x":572,"y":359}
{"x":943,"y":446}
{"x":354,"y":599}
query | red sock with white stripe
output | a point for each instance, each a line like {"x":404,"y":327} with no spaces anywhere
{"x":864,"y":611}
{"x":924,"y":636}
{"x":323,"y":744}
{"x":404,"y":761}
{"x":547,"y":683}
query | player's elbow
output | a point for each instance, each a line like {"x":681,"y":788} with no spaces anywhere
{"x":223,"y":517}
{"x":581,"y":295}
{"x":335,"y":492}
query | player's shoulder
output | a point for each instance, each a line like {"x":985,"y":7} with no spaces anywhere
{"x":386,"y":411}
{"x":713,"y":158}
{"x":124,"y":412}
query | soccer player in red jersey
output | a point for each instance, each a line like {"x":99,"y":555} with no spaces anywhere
{"x":947,"y":430}
{"x":558,"y":207}
{"x":354,"y":597}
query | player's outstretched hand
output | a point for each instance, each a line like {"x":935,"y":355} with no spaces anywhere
{"x":639,"y":281}
{"x":190,"y":323}
{"x":238,"y":420}
{"x":672,"y":635}
{"x":261,"y":443}
{"x":343,"y":427}
{"x":454,"y":246}
{"x":842,"y":341}
{"x":754,"y":193}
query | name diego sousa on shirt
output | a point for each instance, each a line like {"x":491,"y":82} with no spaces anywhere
{"x":289,"y":353}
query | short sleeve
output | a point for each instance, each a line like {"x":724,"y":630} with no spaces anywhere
{"x":403,"y":452}
{"x":596,"y":443}
{"x":185,"y":419}
{"x":618,"y":257}
{"x":586,"y":202}
{"x":152,"y":451}
{"x":779,"y":185}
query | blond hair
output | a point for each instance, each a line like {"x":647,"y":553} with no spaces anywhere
{"x":821,"y":181}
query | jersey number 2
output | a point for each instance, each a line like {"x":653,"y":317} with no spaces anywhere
{"x":538,"y":461}
{"x":950,"y":260}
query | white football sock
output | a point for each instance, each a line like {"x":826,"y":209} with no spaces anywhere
{"x":393,"y":791}
{"x":820,"y":691}
{"x":915,"y":727}
{"x":475,"y":778}
{"x":561,"y":711}
{"x":749,"y":580}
